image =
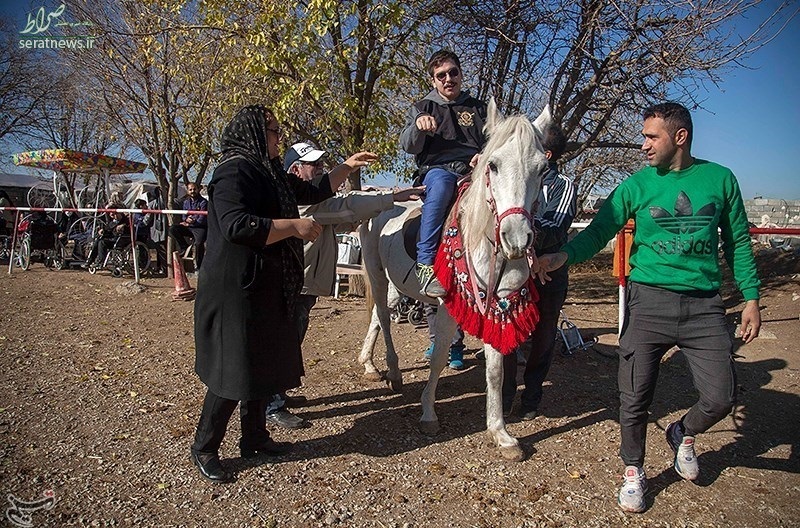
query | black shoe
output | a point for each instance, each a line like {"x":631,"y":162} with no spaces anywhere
{"x":210,"y":467}
{"x":527,"y":415}
{"x":285,"y":419}
{"x":268,"y":448}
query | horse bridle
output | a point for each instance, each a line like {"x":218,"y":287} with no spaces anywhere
{"x":508,"y":212}
{"x":493,"y":281}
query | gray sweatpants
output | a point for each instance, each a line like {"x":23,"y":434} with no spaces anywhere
{"x":656,"y":320}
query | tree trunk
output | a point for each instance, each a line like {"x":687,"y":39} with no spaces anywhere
{"x":356,"y":285}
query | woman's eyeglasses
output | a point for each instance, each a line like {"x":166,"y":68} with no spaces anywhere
{"x":277,"y":130}
{"x":452,"y":73}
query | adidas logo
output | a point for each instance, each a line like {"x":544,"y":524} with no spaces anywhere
{"x":685,"y":220}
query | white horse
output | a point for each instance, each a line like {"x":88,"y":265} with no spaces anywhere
{"x":494,"y":216}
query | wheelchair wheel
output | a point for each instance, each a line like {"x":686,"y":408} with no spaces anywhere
{"x":605,"y":351}
{"x":24,"y":253}
{"x":142,"y":255}
{"x":404,"y":306}
{"x":417,"y":316}
{"x":5,"y":243}
{"x":56,"y":257}
{"x":116,"y":272}
{"x":80,"y":236}
{"x":92,"y":269}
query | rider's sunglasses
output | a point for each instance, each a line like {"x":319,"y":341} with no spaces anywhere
{"x":452,"y":72}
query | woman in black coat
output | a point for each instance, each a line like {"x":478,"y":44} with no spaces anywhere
{"x":246,"y":337}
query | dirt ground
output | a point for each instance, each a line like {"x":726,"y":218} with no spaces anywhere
{"x":100,"y":401}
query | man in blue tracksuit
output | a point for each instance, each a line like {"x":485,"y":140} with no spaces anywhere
{"x":557,"y":207}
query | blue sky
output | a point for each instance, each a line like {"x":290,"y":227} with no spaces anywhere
{"x":748,"y":124}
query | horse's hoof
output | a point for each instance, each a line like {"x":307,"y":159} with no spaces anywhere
{"x":512,"y":453}
{"x":395,"y":385}
{"x":373,"y":376}
{"x":429,"y":428}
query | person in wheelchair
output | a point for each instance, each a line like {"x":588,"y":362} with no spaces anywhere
{"x":6,"y":217}
{"x":112,"y":235}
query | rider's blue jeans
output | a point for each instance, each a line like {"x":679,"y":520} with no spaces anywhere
{"x":440,"y":191}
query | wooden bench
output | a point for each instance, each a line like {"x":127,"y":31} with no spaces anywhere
{"x":343,"y":271}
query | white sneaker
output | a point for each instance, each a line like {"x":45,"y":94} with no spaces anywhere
{"x":631,"y":494}
{"x":683,"y":446}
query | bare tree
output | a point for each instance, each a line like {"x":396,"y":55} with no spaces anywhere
{"x":599,"y":62}
{"x":19,"y":90}
{"x":67,"y":117}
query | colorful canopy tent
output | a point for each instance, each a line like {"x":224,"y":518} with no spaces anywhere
{"x":64,"y":160}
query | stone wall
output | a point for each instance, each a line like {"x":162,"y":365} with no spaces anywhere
{"x":783,"y":213}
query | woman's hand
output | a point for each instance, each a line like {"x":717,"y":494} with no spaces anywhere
{"x":302,"y":228}
{"x":306,"y":229}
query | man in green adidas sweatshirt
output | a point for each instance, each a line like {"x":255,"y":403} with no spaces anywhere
{"x":678,"y":203}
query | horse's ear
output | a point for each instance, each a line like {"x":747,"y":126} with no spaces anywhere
{"x":544,"y":119}
{"x":493,"y":116}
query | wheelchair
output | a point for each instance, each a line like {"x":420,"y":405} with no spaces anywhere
{"x":409,"y":309}
{"x":119,"y":257}
{"x":36,"y":240}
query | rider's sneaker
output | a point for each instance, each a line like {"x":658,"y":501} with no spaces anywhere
{"x":429,"y":352}
{"x":457,"y":357}
{"x":631,"y":494}
{"x":430,"y":284}
{"x":683,"y":446}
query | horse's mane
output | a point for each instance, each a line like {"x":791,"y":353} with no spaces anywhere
{"x":476,"y":218}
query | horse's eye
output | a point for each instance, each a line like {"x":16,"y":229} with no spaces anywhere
{"x":492,"y":166}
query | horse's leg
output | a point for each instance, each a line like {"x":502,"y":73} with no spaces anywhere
{"x":377,"y":286}
{"x":368,"y":349}
{"x":444,"y":329}
{"x":393,"y":375}
{"x":495,"y":424}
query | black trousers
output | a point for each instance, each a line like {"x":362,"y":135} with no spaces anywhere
{"x":656,"y":320}
{"x":538,"y":350}
{"x":214,"y":418}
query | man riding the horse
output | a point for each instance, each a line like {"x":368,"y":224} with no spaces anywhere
{"x":444,"y":132}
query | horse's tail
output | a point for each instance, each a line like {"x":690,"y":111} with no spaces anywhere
{"x":368,"y":294}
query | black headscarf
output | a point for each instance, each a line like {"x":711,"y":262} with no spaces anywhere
{"x":246,"y":137}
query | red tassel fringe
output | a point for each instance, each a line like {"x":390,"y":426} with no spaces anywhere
{"x":504,"y":336}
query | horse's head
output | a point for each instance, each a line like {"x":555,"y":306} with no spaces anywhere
{"x":506,"y":182}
